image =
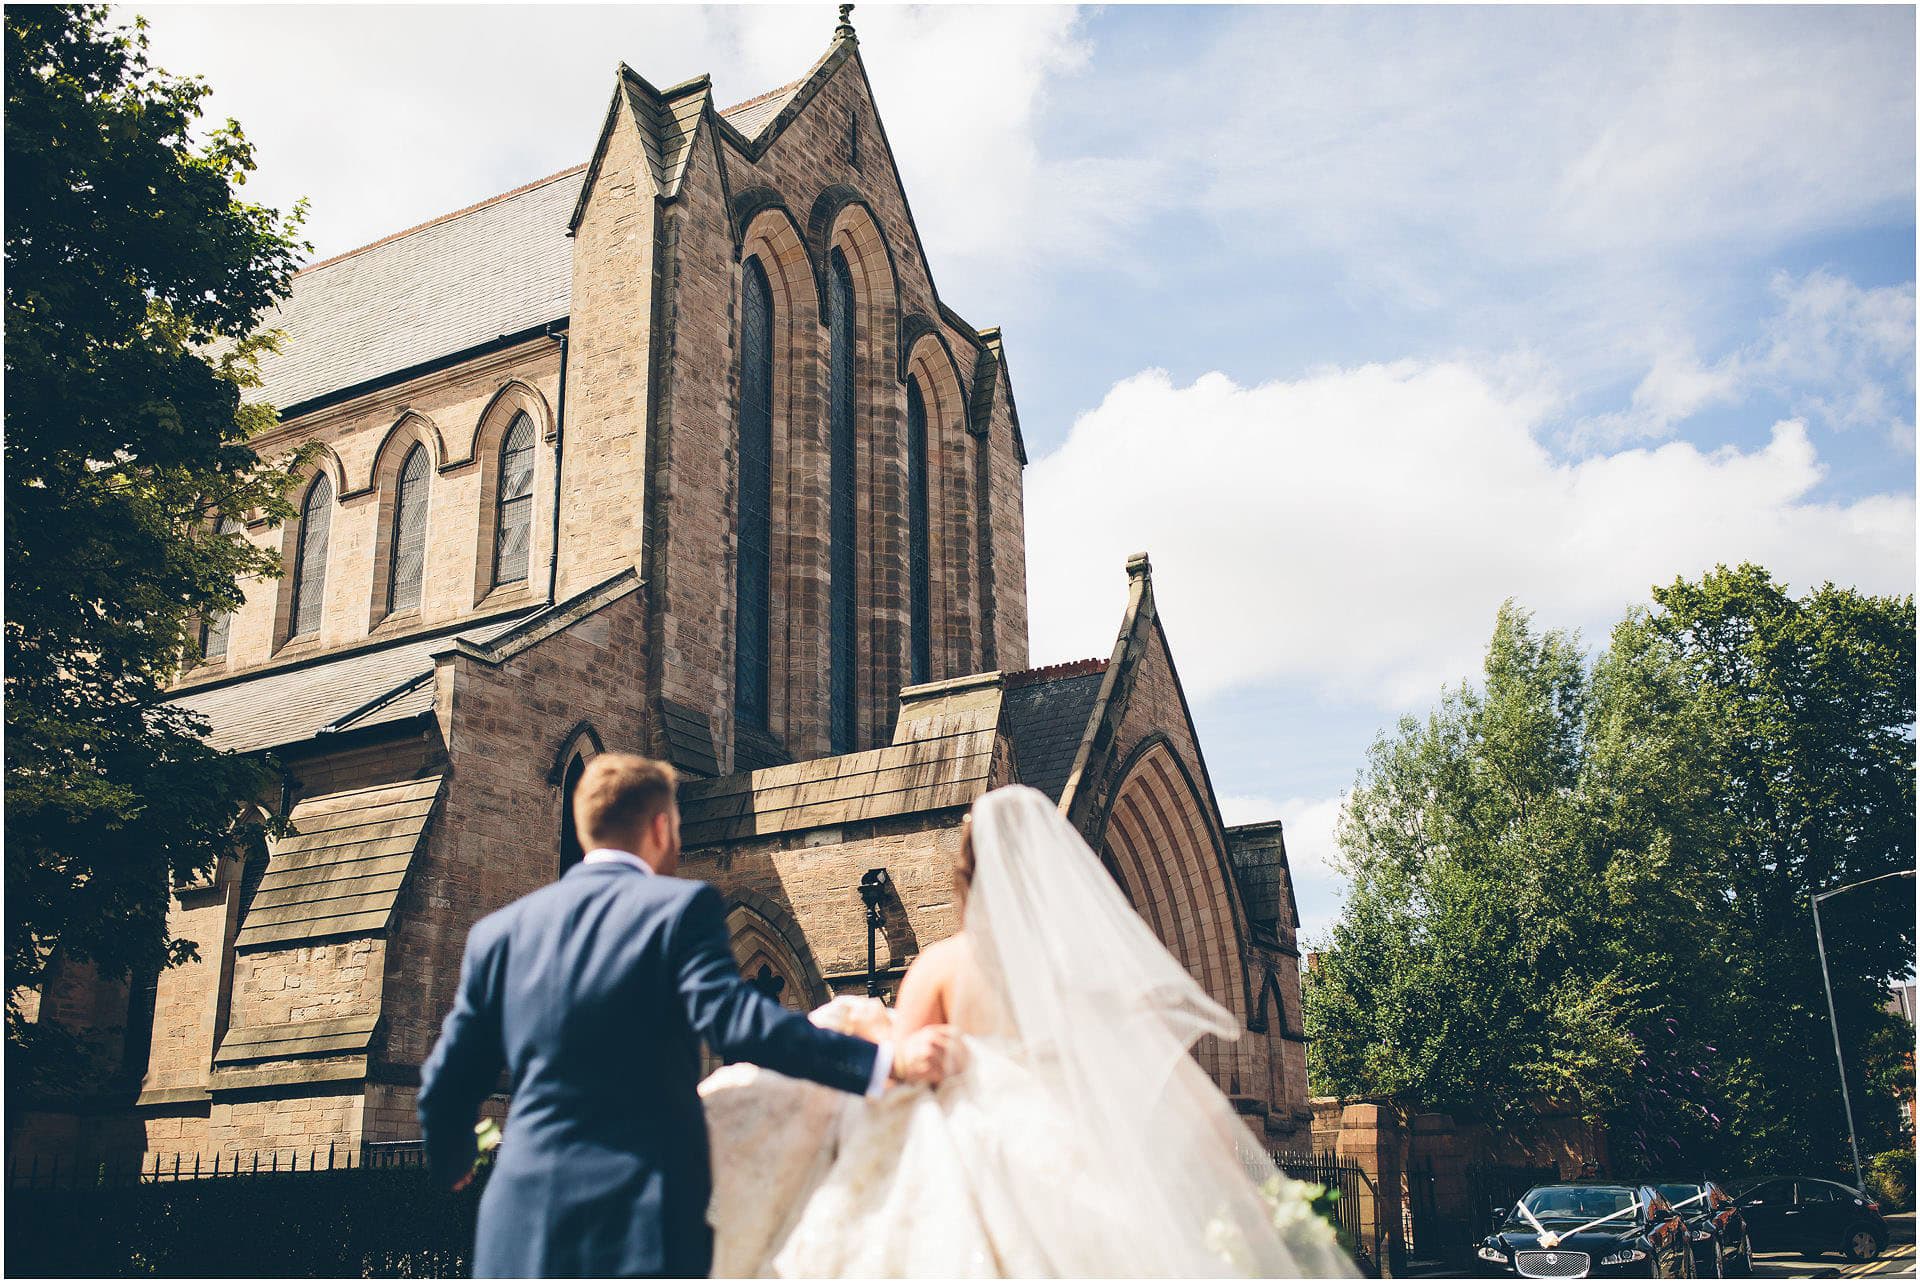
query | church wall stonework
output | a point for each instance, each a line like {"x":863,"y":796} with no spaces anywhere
{"x":610,"y":339}
{"x":813,"y":877}
{"x":1009,"y":523}
{"x":190,"y":999}
{"x":496,"y":836}
{"x":361,"y":444}
{"x":859,"y":208}
{"x":695,"y":476}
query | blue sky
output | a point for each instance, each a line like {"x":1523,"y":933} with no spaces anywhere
{"x":1359,"y":320}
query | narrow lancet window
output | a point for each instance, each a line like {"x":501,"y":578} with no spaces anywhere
{"x":842,"y":616}
{"x":919,"y":579}
{"x":409,"y":533}
{"x":571,"y":852}
{"x":752,"y":575}
{"x":512,"y":543}
{"x":310,"y":564}
{"x":213,"y":636}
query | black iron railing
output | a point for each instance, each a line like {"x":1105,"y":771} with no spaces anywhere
{"x":348,"y":1212}
{"x":1353,"y":1191}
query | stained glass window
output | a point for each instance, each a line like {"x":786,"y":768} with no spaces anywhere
{"x":514,"y":530}
{"x":310,"y":565}
{"x":842,"y":618}
{"x":752,"y":576}
{"x":409,"y":532}
{"x":919,"y":586}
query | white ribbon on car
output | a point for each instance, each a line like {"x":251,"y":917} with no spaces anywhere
{"x":1550,"y":1240}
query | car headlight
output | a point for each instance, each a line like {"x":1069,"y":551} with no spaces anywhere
{"x":1701,"y":1236}
{"x":1625,"y":1256}
{"x":1492,"y":1254}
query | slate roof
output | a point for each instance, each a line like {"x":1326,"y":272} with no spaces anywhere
{"x":1046,"y":717}
{"x":941,"y":757}
{"x":291,"y":705}
{"x":342,"y":1036}
{"x":341,"y":869}
{"x":667,"y":121}
{"x":689,"y":737}
{"x":1259,"y":854}
{"x":755,"y":114}
{"x":500,"y":267}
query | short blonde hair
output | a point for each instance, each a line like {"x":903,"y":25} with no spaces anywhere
{"x":619,"y":792}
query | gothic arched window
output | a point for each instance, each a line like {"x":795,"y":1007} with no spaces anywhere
{"x":513,"y":525}
{"x":752,"y":576}
{"x":213,"y":633}
{"x":919,"y":578}
{"x":842,"y":618}
{"x":571,"y":852}
{"x":310,"y":564}
{"x":409,"y":533}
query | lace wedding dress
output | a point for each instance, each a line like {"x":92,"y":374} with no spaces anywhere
{"x":1079,"y":1141}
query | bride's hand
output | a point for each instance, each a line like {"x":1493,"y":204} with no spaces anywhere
{"x":866,"y":1018}
{"x":928,"y":1055}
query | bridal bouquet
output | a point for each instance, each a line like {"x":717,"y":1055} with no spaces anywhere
{"x":1293,"y":1209}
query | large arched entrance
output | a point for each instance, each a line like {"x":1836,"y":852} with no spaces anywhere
{"x":1158,"y":842}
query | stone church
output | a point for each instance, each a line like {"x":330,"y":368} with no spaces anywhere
{"x":680,"y":452}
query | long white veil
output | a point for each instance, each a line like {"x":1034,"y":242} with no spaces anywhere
{"x":1166,"y":1172}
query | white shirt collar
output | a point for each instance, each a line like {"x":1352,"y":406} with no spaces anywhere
{"x":608,"y":855}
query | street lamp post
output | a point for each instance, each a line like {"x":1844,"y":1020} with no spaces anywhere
{"x":873,"y":892}
{"x":1820,"y":944}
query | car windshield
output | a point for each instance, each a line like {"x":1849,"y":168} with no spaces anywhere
{"x":1678,"y":1194}
{"x":1573,"y":1203}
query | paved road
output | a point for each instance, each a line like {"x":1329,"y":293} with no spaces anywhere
{"x":1896,"y":1262}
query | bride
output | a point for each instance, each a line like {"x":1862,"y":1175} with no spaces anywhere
{"x":1079,"y":1140}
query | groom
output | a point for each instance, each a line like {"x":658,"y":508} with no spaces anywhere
{"x":594,"y":994}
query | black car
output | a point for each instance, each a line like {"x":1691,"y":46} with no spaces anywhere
{"x":1805,"y":1214}
{"x":1588,"y":1230}
{"x":1721,"y":1245}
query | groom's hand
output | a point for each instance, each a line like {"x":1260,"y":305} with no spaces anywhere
{"x":926,"y":1055}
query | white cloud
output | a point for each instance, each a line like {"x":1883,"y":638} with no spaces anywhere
{"x":1836,"y":349}
{"x":1831,"y":351}
{"x":1554,"y":134}
{"x":1310,"y":824}
{"x":1566,"y":178}
{"x":1355,"y":530}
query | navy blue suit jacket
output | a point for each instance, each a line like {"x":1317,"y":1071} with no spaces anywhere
{"x":594,"y":994}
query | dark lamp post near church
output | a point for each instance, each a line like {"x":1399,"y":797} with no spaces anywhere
{"x":873,"y":889}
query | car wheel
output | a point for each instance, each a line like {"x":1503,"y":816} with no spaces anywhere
{"x":1862,"y":1244}
{"x":1743,"y":1266}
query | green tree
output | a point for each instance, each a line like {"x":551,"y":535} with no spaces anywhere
{"x":134,"y":280}
{"x":1464,"y":974}
{"x":1594,"y":888}
{"x":1784,"y":732}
